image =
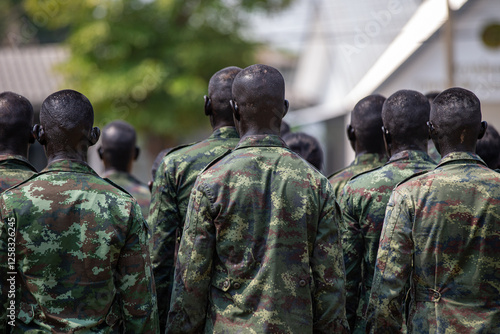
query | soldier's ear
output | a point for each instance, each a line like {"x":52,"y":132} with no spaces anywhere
{"x":95,"y":133}
{"x":39,"y":133}
{"x":208,"y":106}
{"x":351,"y":135}
{"x":287,"y":106}
{"x":236,"y":109}
{"x":482,"y":131}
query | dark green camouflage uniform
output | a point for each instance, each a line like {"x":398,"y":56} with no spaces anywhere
{"x":13,"y":170}
{"x":362,"y":163}
{"x":140,"y":191}
{"x":172,"y":186}
{"x":442,"y":229}
{"x":81,"y":255}
{"x":363,"y":202}
{"x":261,"y":250}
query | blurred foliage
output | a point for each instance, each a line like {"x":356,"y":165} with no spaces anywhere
{"x":149,"y":61}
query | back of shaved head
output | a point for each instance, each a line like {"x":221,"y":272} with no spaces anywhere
{"x":118,"y":144}
{"x":220,"y":92}
{"x":16,"y":120}
{"x":456,"y":118}
{"x":68,"y":110}
{"x":259,"y":92}
{"x":405,"y":115}
{"x":366,"y":119}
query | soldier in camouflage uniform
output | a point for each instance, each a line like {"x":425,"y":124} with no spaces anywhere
{"x":366,"y":139}
{"x":118,"y":152}
{"x":364,"y":198}
{"x":260,"y":251}
{"x":16,"y":119}
{"x":442,"y":230}
{"x":175,"y":178}
{"x":81,"y":255}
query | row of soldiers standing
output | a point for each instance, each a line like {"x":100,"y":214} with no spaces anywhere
{"x":246,"y":236}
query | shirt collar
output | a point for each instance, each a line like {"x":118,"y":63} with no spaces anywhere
{"x":19,"y":158}
{"x":410,"y":155}
{"x":225,"y":132}
{"x":369,"y":158}
{"x":73,"y":166}
{"x":261,"y":140}
{"x":461,"y":157}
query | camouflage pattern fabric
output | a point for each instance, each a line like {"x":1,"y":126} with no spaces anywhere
{"x":442,"y":230}
{"x":362,"y":163}
{"x":81,"y":255}
{"x":172,"y":186}
{"x":261,"y":250}
{"x":133,"y":186}
{"x":14,"y":169}
{"x":363,"y":202}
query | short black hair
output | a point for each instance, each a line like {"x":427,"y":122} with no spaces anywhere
{"x":118,"y":143}
{"x":16,"y":117}
{"x":488,"y":147}
{"x":405,"y":114}
{"x":306,"y":146}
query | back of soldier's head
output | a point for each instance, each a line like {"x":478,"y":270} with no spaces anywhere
{"x":118,"y":144}
{"x":488,"y":147}
{"x":366,"y":120}
{"x":456,"y":116}
{"x":259,"y":94}
{"x":405,"y":115}
{"x":219,"y":92}
{"x":16,"y":120}
{"x":306,"y":146}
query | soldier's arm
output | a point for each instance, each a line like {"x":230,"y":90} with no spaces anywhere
{"x":327,"y":266}
{"x":134,"y":278}
{"x":193,"y":268}
{"x":392,"y":270}
{"x":163,"y":221}
{"x":353,"y":249}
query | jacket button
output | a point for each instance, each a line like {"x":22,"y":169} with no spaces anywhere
{"x":302,"y":282}
{"x":236,"y":285}
{"x":226,"y":284}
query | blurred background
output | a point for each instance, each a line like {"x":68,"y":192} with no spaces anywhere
{"x":148,"y":62}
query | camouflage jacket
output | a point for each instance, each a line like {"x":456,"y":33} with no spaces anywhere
{"x":133,"y":186}
{"x":442,"y":230}
{"x":362,"y":163}
{"x":261,"y":250}
{"x":173,"y":182}
{"x":363,"y":202}
{"x":13,"y":170}
{"x":81,"y":256}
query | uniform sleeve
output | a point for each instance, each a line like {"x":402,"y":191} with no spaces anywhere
{"x":353,"y":249}
{"x":164,"y":219}
{"x":392,"y":269}
{"x":134,"y":279}
{"x":193,"y":268}
{"x":327,"y":267}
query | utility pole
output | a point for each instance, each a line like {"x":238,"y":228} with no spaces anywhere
{"x":450,"y":64}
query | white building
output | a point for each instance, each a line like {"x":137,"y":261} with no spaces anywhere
{"x":362,"y":47}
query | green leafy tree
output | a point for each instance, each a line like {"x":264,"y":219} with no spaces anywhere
{"x":147,"y":61}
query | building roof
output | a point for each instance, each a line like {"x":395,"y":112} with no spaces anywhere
{"x":29,"y":70}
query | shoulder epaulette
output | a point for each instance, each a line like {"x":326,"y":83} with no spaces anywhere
{"x":412,"y":176}
{"x":22,"y":182}
{"x":337,"y":172}
{"x":213,"y":162}
{"x":176,"y":148}
{"x":365,"y":172}
{"x":116,"y":186}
